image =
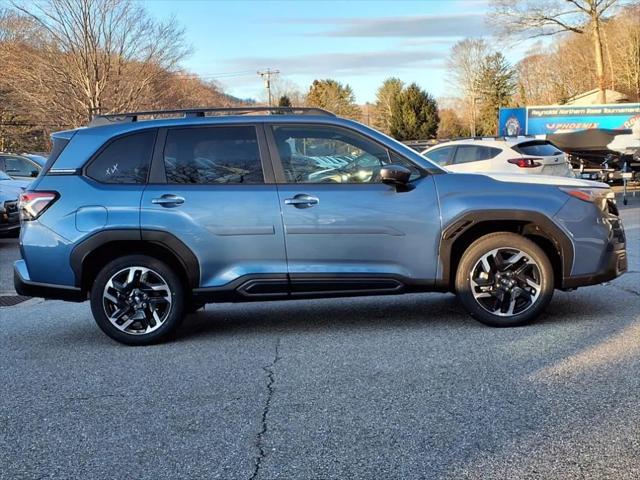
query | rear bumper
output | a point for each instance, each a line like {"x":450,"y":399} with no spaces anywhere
{"x":25,"y":286}
{"x":613,"y":265}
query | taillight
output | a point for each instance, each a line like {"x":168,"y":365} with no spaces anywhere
{"x":33,"y":204}
{"x":525,"y":162}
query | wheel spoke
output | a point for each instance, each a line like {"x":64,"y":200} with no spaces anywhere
{"x":126,"y":323}
{"x":118,"y":314}
{"x":529,"y":281}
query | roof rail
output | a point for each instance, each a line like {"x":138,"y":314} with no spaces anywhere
{"x":491,"y":137}
{"x":204,"y":112}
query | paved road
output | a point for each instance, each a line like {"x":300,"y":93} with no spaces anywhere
{"x":389,"y":387}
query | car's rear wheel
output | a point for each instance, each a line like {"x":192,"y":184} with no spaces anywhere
{"x":137,"y":300}
{"x":504,"y":280}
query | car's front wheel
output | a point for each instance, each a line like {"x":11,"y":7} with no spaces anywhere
{"x":504,"y":280}
{"x":137,"y":300}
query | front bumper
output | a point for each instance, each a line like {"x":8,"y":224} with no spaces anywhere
{"x":613,"y":265}
{"x":25,"y":286}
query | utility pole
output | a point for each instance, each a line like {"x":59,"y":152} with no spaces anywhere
{"x":266,"y":76}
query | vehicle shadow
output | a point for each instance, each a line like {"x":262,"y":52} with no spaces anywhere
{"x":413,"y":311}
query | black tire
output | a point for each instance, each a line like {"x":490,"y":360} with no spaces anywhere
{"x":474,"y":254}
{"x":173,"y":312}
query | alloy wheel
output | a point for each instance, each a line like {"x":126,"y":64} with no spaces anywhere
{"x":506,"y":282}
{"x":137,"y":300}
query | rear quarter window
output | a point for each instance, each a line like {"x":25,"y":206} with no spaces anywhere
{"x":124,"y":160}
{"x":539,"y":149}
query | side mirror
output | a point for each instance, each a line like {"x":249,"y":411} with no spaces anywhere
{"x":396,"y":175}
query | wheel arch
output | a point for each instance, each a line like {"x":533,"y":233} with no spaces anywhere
{"x":535,"y":226}
{"x":90,"y":255}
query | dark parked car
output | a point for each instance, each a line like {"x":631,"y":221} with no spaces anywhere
{"x":10,"y":190}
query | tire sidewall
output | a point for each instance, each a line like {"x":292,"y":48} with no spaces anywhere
{"x":177,"y":300}
{"x":503,"y":240}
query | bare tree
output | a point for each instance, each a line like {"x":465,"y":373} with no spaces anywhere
{"x":99,"y":56}
{"x":386,"y":96}
{"x":465,"y":66}
{"x":550,"y":17}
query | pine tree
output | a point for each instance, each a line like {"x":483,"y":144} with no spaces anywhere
{"x":284,"y":101}
{"x":496,"y":87}
{"x":333,"y":96}
{"x":414,"y":115}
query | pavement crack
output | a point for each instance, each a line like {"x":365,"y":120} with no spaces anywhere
{"x":270,"y":370}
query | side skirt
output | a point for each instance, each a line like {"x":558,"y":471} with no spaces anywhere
{"x":299,"y":286}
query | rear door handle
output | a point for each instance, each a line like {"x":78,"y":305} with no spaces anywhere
{"x":302,"y":200}
{"x":168,"y":200}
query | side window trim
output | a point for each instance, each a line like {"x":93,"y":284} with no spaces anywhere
{"x":158,"y":174}
{"x":276,"y":161}
{"x":106,"y":145}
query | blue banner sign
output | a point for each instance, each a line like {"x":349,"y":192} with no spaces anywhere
{"x":567,"y":118}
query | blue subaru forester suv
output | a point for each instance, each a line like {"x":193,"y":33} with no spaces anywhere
{"x":151,"y":215}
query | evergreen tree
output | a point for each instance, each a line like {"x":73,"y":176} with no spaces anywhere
{"x":414,"y":115}
{"x":284,"y":101}
{"x":333,"y":96}
{"x":496,"y":87}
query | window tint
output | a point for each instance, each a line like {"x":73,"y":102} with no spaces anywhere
{"x":19,"y":167}
{"x":440,"y":155}
{"x":318,"y":154}
{"x":540,"y":149}
{"x":124,"y":160}
{"x":474,"y":153}
{"x":213,"y":155}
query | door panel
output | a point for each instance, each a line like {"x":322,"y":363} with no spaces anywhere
{"x":233,"y":230}
{"x":341,"y":221}
{"x":216,"y":202}
{"x":362,"y":229}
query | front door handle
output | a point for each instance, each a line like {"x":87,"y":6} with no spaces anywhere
{"x":302,"y":200}
{"x":168,"y":200}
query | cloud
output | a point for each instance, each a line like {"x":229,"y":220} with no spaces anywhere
{"x":418,"y":26}
{"x":355,"y":63}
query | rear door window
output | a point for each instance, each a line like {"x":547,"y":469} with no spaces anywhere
{"x":538,"y":149}
{"x":124,"y":160}
{"x":441,"y":156}
{"x":474,"y":153}
{"x":20,"y":167}
{"x":213,"y":155}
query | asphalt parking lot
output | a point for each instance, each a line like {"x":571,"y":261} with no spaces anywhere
{"x":374,"y":387}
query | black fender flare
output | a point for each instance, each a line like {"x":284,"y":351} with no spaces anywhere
{"x":185,"y":256}
{"x":543,"y":226}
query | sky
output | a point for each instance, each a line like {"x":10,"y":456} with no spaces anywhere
{"x":355,"y":42}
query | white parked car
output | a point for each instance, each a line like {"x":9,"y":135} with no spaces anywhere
{"x":501,"y":155}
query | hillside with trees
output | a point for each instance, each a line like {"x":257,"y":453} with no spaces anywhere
{"x":67,"y":60}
